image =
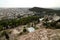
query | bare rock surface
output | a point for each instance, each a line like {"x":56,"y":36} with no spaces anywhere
{"x":42,"y":34}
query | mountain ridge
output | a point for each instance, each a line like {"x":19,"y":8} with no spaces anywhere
{"x":47,"y":10}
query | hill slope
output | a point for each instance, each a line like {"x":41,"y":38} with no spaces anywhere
{"x":44,"y":11}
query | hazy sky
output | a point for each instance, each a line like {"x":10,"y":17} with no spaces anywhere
{"x":30,"y":3}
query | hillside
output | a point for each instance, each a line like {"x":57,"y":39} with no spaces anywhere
{"x":44,"y":11}
{"x":43,"y":25}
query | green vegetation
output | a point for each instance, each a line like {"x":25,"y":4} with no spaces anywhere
{"x":1,"y":28}
{"x":24,"y":29}
{"x":35,"y":28}
{"x":45,"y":11}
{"x":16,"y":22}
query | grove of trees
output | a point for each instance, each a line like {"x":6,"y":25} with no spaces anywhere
{"x":5,"y":24}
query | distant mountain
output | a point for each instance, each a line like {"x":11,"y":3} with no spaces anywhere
{"x":45,"y":11}
{"x":39,"y":9}
{"x":56,"y":8}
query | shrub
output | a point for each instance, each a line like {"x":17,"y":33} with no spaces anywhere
{"x":1,"y":28}
{"x":14,"y":22}
{"x":24,"y":29}
{"x":36,"y":28}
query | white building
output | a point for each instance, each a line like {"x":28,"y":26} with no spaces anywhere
{"x":31,"y":29}
{"x":40,"y":19}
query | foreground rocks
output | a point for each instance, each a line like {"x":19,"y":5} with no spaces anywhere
{"x":42,"y":34}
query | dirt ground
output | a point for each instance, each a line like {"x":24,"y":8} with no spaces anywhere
{"x":42,"y":34}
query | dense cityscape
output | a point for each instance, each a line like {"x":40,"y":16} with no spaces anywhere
{"x":29,"y":24}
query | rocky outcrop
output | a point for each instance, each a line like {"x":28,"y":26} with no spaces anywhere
{"x":42,"y":34}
